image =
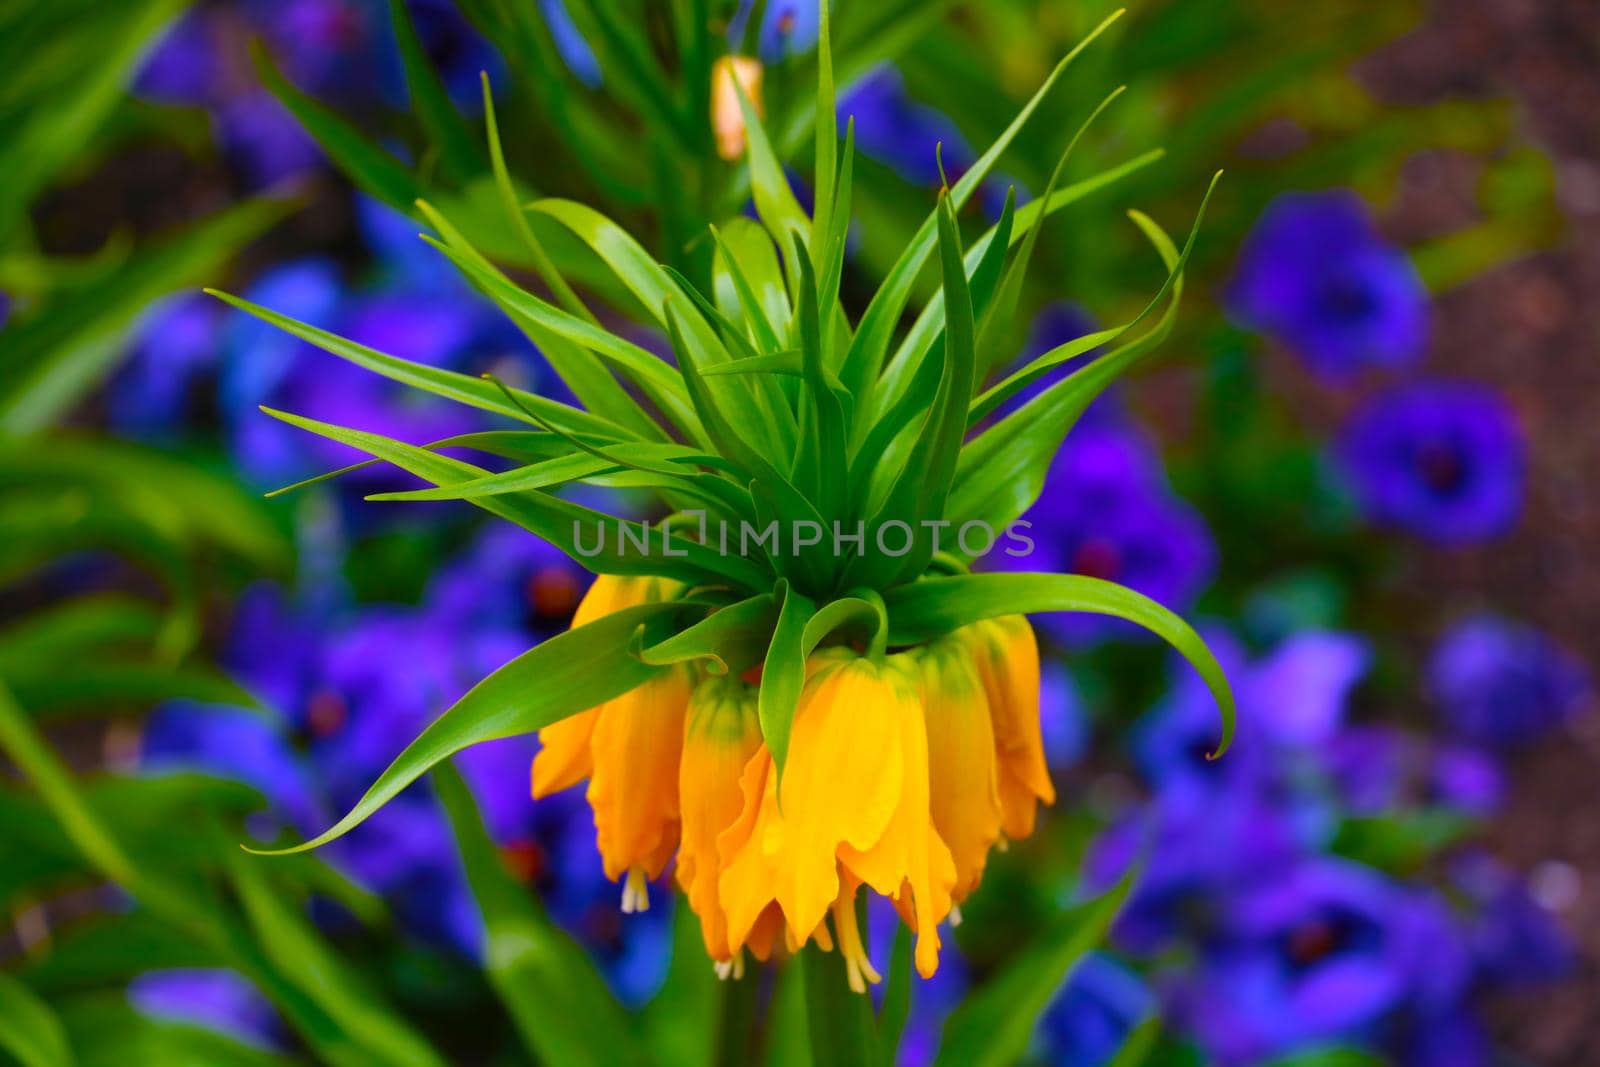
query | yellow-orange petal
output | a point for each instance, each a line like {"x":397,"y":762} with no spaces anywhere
{"x":908,"y":858}
{"x":565,"y":757}
{"x":633,"y":790}
{"x":843,"y":779}
{"x":962,"y":766}
{"x":747,"y":853}
{"x":1007,"y":656}
{"x":721,"y":733}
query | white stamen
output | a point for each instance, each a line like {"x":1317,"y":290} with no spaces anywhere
{"x":955,"y":915}
{"x":635,"y":892}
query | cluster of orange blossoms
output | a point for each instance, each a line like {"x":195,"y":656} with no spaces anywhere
{"x":902,"y":772}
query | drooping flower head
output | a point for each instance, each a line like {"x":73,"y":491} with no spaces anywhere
{"x":1441,"y":460}
{"x":1316,"y":275}
{"x":794,"y":683}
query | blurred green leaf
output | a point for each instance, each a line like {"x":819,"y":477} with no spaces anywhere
{"x":556,"y":997}
{"x":991,"y":1028}
{"x":306,"y":960}
{"x":49,"y":360}
{"x":29,"y":1030}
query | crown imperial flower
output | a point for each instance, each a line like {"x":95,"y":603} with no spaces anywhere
{"x":793,"y":683}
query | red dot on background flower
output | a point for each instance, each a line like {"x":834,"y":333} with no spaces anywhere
{"x":554,"y":592}
{"x":1097,"y":558}
{"x":524,"y":859}
{"x":326,"y":713}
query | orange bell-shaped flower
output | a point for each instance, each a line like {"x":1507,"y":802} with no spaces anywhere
{"x":628,"y":748}
{"x":1007,"y":658}
{"x":721,"y":734}
{"x":962,"y":767}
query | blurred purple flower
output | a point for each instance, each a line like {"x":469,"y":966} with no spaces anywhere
{"x":1498,"y":682}
{"x":1315,"y":274}
{"x":902,"y":134}
{"x":1379,"y":770}
{"x":570,"y":43}
{"x":1062,"y":719}
{"x":175,"y":348}
{"x":184,"y":67}
{"x":1094,"y":1012}
{"x":458,"y":52}
{"x":1513,"y":940}
{"x":5,"y":309}
{"x":1323,"y":952}
{"x":1442,"y":460}
{"x":263,"y":141}
{"x":217,"y":1000}
{"x":507,"y":579}
{"x":1106,"y":512}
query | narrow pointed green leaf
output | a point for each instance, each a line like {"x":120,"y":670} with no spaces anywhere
{"x":748,"y":262}
{"x":50,"y":361}
{"x":1043,"y":364}
{"x":1002,"y":470}
{"x":827,"y":142}
{"x":559,"y":1002}
{"x":653,"y":377}
{"x":463,"y":388}
{"x":301,"y":955}
{"x":996,"y":322}
{"x":731,"y":639}
{"x":555,"y":520}
{"x":865,"y":359}
{"x":583,"y":372}
{"x":783,"y":673}
{"x":775,"y":202}
{"x":993,"y":1026}
{"x":825,"y":448}
{"x":924,"y":610}
{"x":548,"y":272}
{"x":569,"y":673}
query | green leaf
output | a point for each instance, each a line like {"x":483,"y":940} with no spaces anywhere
{"x":56,"y":122}
{"x":1138,"y":1046}
{"x":558,"y":1001}
{"x":730,"y":639}
{"x":512,"y":203}
{"x":458,"y":153}
{"x":29,"y":1030}
{"x":924,"y":610}
{"x":996,"y":322}
{"x":551,"y":518}
{"x":896,"y":995}
{"x":783,"y":673}
{"x":991,"y":1028}
{"x":588,"y":378}
{"x":865,"y":358}
{"x":463,"y":388}
{"x":746,"y":266}
{"x":569,"y":673}
{"x":653,"y":377}
{"x":827,"y":142}
{"x":108,"y":1032}
{"x":776,"y":205}
{"x":840,"y":1023}
{"x":301,"y":955}
{"x":373,"y":170}
{"x":684,"y":1023}
{"x":1043,"y":364}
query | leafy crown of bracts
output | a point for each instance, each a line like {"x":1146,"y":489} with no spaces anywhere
{"x":778,"y":408}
